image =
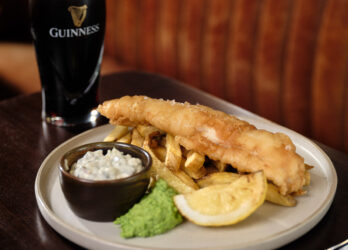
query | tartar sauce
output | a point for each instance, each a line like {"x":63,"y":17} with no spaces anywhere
{"x":94,"y":165}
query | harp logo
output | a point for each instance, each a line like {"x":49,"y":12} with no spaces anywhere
{"x":78,"y":14}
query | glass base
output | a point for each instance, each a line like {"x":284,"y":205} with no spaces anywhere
{"x":91,"y":118}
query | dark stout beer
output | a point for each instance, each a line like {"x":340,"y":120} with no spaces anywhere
{"x":68,"y":37}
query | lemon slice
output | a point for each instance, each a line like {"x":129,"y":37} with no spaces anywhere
{"x":224,"y":204}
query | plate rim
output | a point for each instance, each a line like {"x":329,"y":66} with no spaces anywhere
{"x":92,"y":241}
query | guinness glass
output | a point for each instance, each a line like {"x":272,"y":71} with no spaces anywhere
{"x":68,"y":37}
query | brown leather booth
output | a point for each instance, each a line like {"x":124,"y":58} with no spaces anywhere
{"x":284,"y":60}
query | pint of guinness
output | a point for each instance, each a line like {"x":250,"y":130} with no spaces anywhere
{"x":68,"y":37}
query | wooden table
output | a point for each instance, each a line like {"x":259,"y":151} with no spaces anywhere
{"x":25,"y":141}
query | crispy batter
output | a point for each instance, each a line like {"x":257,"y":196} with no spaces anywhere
{"x":216,"y":134}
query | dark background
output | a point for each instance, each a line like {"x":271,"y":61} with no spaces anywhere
{"x":14,"y":21}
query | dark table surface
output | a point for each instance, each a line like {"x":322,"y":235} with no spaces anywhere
{"x":25,"y":141}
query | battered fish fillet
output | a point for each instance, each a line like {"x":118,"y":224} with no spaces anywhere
{"x":216,"y":134}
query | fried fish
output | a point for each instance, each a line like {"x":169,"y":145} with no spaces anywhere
{"x":216,"y":134}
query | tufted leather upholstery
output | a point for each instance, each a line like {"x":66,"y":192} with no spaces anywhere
{"x":285,"y":60}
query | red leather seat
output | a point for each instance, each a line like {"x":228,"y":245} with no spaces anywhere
{"x":285,"y":60}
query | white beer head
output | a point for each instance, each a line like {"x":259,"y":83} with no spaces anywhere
{"x":78,"y":14}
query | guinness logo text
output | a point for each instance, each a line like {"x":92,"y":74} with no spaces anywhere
{"x":77,"y":32}
{"x":78,"y":14}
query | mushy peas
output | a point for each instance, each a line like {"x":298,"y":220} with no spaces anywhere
{"x":154,"y":214}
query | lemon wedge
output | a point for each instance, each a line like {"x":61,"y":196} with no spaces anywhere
{"x":224,"y":204}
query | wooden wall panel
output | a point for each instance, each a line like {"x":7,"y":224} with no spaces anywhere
{"x":214,"y":46}
{"x":269,"y":57}
{"x":299,"y":61}
{"x":240,"y":52}
{"x":330,"y":75}
{"x":190,"y":42}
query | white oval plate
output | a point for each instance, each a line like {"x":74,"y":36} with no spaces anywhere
{"x":271,"y":226}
